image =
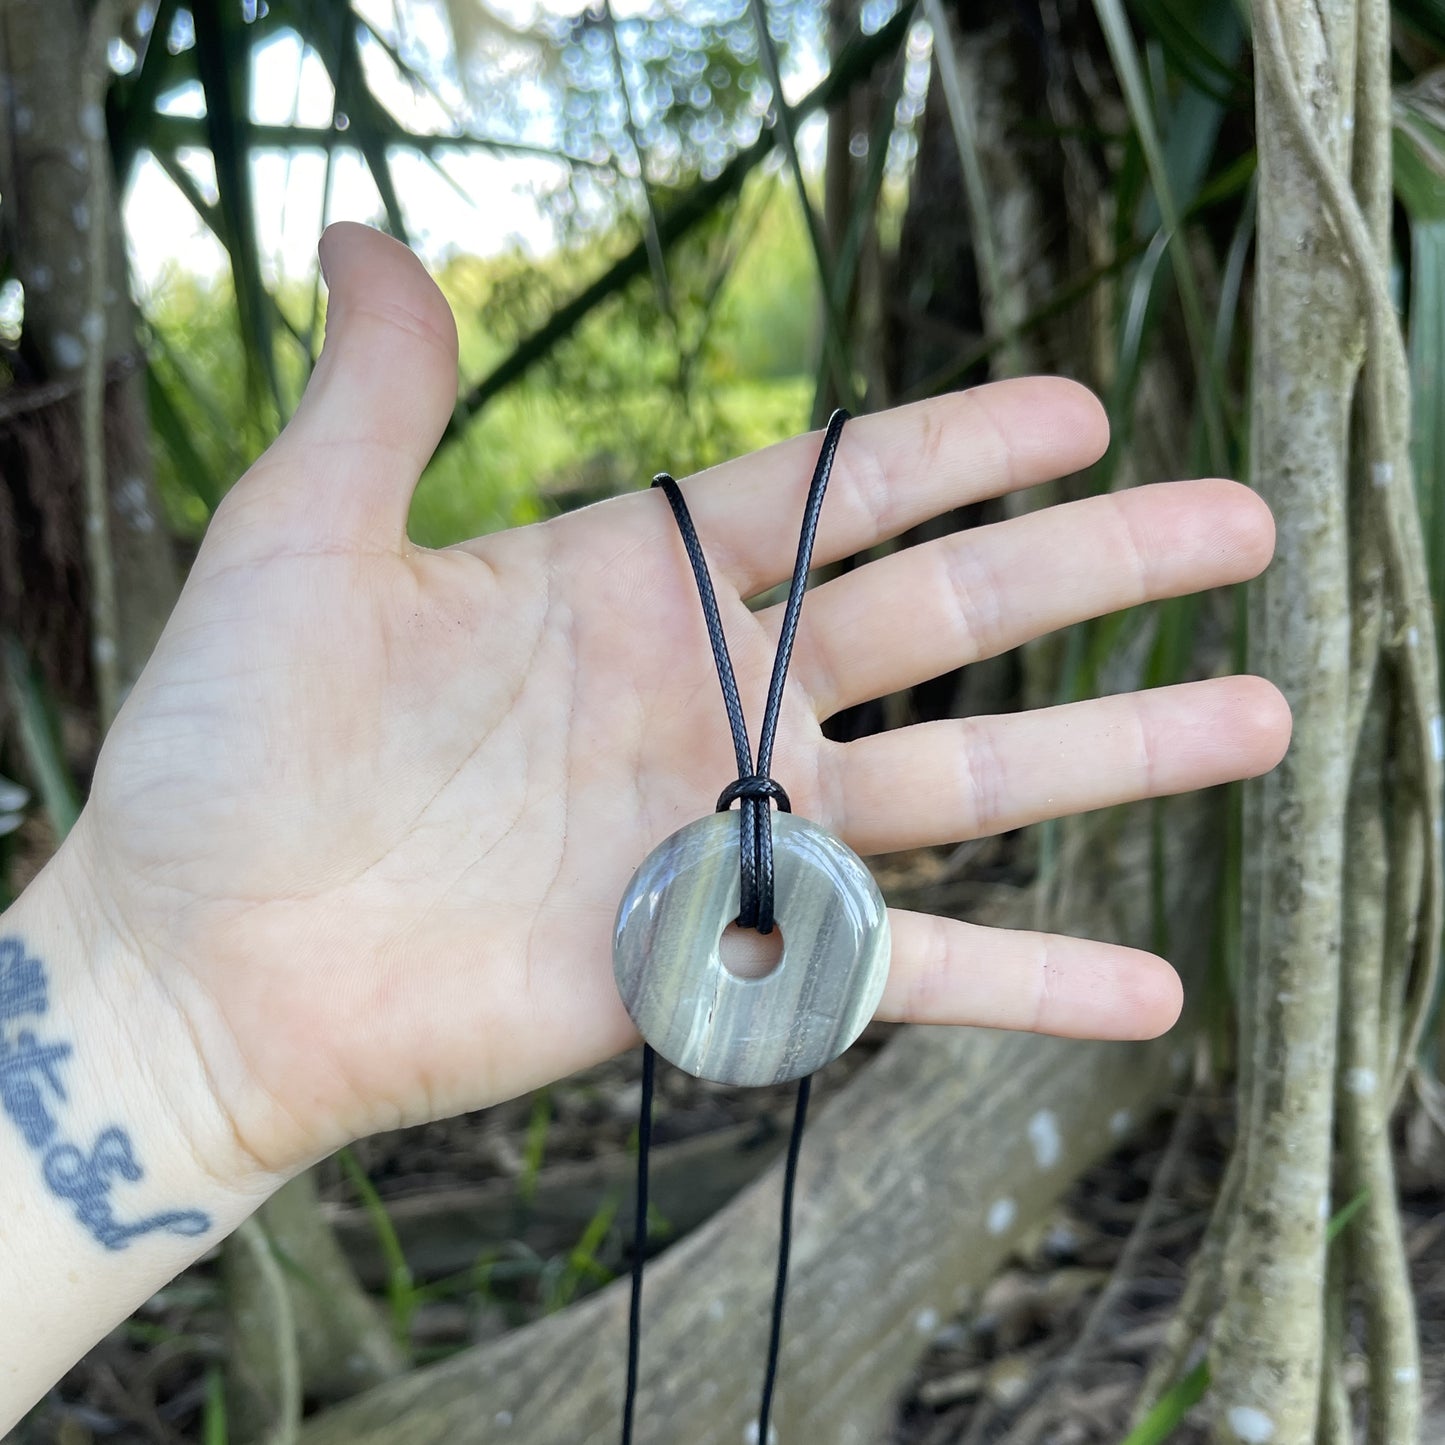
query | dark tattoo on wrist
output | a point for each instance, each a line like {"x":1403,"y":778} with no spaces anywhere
{"x":31,"y":1087}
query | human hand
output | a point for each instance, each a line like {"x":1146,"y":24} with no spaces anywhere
{"x":364,"y":821}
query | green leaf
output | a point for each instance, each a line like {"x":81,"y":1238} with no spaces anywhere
{"x":366,"y":131}
{"x":1119,"y":38}
{"x":1427,"y":377}
{"x":400,"y":1285}
{"x":1425,"y":17}
{"x":862,"y":220}
{"x":1191,"y":117}
{"x":132,"y":98}
{"x":214,"y":1427}
{"x":1166,"y":1417}
{"x":539,"y":1125}
{"x":1199,"y":41}
{"x":980,"y":211}
{"x":175,"y":435}
{"x":176,"y":132}
{"x":215,"y":222}
{"x":582,"y":1264}
{"x":1231,"y":283}
{"x":655,"y":257}
{"x":1340,"y":1220}
{"x":835,"y":328}
{"x":1418,"y":145}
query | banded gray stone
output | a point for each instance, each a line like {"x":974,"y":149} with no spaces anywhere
{"x":712,"y":1023}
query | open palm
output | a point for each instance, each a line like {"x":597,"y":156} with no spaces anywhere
{"x":368,"y":812}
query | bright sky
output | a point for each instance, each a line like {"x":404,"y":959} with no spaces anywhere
{"x":485,"y":203}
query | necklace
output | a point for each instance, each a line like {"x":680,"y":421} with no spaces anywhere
{"x":762,"y":869}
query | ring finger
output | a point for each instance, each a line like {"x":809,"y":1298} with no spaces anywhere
{"x":942,"y":782}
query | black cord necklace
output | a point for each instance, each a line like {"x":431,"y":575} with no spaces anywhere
{"x":769,"y":869}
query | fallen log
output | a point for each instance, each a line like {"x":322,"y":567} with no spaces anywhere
{"x":916,"y":1181}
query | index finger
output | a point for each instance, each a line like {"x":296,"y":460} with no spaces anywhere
{"x":894,"y":469}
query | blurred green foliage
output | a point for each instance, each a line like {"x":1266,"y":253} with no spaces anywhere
{"x":635,"y":390}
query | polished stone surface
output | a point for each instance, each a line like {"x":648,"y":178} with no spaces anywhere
{"x":712,"y":1023}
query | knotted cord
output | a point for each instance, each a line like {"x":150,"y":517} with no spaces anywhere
{"x":753,"y":790}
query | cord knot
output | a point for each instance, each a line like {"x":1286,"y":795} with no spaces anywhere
{"x":757,"y":787}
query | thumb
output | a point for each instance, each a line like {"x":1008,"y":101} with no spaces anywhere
{"x":378,"y":401}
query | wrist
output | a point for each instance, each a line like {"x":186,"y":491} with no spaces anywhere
{"x":116,"y":1170}
{"x":103,"y":1084}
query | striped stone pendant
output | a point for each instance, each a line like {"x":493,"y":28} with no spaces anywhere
{"x":712,"y":1023}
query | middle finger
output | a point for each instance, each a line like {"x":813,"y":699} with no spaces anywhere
{"x":921,"y":612}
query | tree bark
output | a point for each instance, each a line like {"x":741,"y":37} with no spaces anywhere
{"x":1308,"y":344}
{"x":55,"y":198}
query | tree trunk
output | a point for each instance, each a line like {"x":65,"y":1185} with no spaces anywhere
{"x":61,"y":564}
{"x":1308,"y":344}
{"x":56,"y":197}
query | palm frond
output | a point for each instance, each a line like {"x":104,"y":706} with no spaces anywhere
{"x":223,"y":68}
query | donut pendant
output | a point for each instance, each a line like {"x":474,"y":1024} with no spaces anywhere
{"x":705,"y":1019}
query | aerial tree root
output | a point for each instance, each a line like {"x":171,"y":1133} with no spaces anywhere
{"x":301,"y":1325}
{"x":1343,"y":958}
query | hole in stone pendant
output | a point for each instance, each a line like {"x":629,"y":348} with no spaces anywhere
{"x":746,"y":953}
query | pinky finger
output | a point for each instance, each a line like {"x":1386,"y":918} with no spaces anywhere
{"x":948,"y":972}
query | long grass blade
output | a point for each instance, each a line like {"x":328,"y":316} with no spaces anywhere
{"x":863,"y":217}
{"x":1168,"y":1414}
{"x":176,"y":132}
{"x":216,"y":224}
{"x":1231,"y":283}
{"x":400,"y":1284}
{"x":1189,"y":50}
{"x":1119,"y":38}
{"x":1223,"y":187}
{"x":1419,"y":178}
{"x":368,"y":126}
{"x":1427,"y":376}
{"x":39,"y":738}
{"x":176,"y":436}
{"x":133,"y":97}
{"x":215,"y":1430}
{"x":655,"y":257}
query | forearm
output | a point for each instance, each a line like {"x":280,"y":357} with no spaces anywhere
{"x":116,"y":1170}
